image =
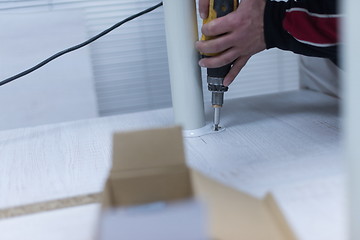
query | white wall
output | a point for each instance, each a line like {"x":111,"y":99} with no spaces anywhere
{"x":130,"y":65}
{"x":61,"y":91}
{"x":351,"y":108}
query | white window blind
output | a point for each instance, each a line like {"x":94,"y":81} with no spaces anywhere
{"x":130,"y":64}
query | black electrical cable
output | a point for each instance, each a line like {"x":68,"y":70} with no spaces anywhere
{"x":53,"y":57}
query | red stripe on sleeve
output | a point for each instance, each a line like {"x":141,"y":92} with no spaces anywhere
{"x":313,"y":29}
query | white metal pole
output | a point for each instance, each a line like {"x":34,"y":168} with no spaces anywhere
{"x":185,"y":74}
{"x":351,"y":79}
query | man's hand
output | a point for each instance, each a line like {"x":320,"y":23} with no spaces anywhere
{"x":242,"y":35}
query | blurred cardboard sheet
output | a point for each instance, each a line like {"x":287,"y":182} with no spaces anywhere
{"x":161,"y":221}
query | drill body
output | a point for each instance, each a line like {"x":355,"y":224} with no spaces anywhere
{"x":215,"y":76}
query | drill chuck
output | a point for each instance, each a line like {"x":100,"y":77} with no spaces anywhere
{"x":217,"y":89}
{"x":215,"y":85}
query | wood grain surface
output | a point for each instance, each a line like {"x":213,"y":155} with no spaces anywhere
{"x":269,"y":141}
{"x":59,"y":161}
{"x":74,"y":223}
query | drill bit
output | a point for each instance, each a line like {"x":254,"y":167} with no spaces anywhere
{"x":216,"y":117}
{"x":217,"y":99}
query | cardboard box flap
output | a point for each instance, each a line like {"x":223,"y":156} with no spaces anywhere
{"x":235,"y":215}
{"x":153,"y":185}
{"x":148,"y":149}
{"x":148,"y":166}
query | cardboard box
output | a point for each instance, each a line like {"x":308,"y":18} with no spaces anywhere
{"x":149,"y":194}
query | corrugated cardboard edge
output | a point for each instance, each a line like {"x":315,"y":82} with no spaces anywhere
{"x":278,"y":216}
{"x":40,"y":207}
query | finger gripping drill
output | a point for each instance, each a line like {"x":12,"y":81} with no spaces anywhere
{"x":215,"y":76}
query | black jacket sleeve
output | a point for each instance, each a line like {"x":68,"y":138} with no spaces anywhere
{"x":307,"y":27}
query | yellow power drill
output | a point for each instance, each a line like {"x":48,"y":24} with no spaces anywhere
{"x":215,"y":76}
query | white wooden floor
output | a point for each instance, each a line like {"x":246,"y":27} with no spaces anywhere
{"x":75,"y":223}
{"x":270,"y":141}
